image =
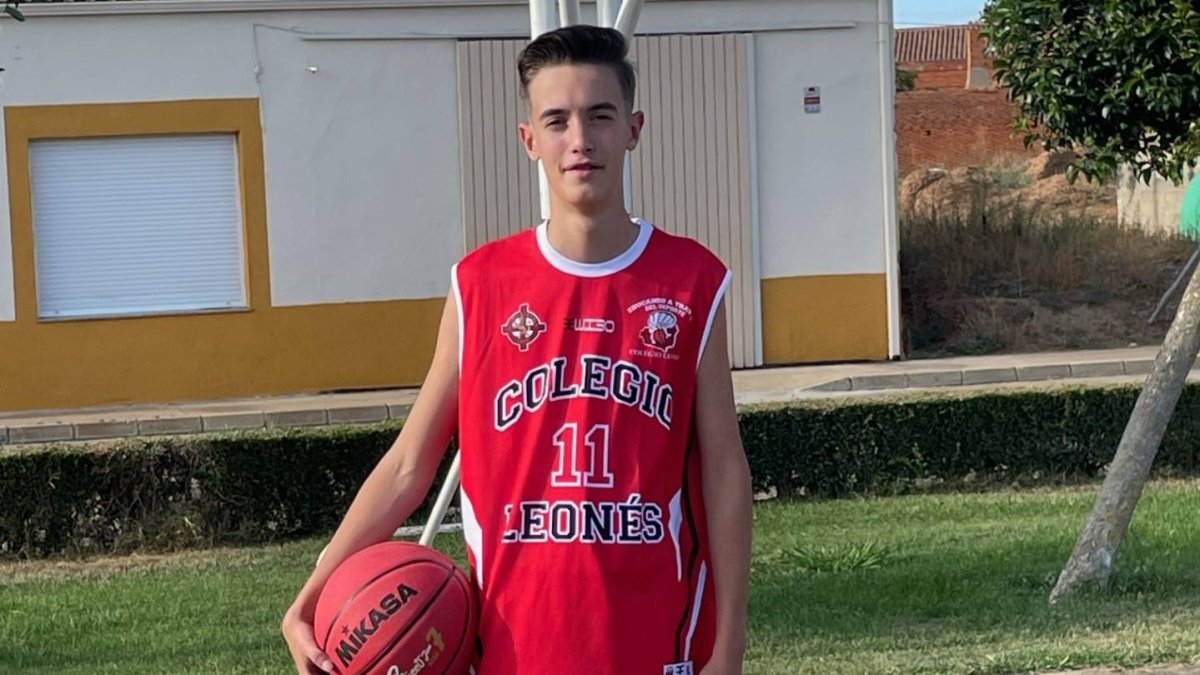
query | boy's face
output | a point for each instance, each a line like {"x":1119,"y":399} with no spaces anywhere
{"x":580,"y":127}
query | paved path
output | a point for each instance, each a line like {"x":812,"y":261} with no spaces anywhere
{"x":753,"y":386}
{"x":1156,"y":670}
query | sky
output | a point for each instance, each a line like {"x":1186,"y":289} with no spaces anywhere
{"x":926,"y":12}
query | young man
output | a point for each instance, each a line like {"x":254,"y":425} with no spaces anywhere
{"x":606,"y":495}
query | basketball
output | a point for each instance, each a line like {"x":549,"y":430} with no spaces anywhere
{"x":397,"y":608}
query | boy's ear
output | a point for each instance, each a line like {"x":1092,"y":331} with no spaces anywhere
{"x":526,"y":132}
{"x":637,"y":121}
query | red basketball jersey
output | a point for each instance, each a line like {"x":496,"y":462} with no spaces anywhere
{"x":581,"y":489}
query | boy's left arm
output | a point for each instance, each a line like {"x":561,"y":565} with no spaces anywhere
{"x":727,"y":497}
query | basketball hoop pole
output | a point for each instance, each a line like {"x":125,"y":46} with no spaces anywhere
{"x":542,"y":19}
{"x":443,"y":501}
{"x":627,"y":17}
{"x":624,"y":18}
{"x":606,"y":12}
{"x":568,"y":12}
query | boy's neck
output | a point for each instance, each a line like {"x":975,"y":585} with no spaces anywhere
{"x":591,"y":237}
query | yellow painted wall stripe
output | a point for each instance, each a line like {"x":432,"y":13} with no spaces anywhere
{"x":263,"y":350}
{"x":283,"y":350}
{"x":824,"y":318}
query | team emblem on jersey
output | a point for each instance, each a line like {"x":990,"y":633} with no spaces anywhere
{"x":660,"y":333}
{"x":523,"y":327}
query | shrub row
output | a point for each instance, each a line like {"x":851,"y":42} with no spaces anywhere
{"x":882,"y":446}
{"x":181,"y":492}
{"x":169,"y":493}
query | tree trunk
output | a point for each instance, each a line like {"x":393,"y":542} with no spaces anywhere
{"x":1092,"y":559}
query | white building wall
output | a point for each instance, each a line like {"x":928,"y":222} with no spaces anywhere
{"x":1154,"y":207}
{"x":362,"y":155}
{"x":363,"y":186}
{"x":102,"y":59}
{"x":820,"y":174}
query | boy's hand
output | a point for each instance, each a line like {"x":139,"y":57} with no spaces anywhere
{"x":308,"y":657}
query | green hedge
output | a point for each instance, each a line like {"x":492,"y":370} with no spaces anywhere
{"x":179,"y":492}
{"x":169,"y":493}
{"x":854,"y":447}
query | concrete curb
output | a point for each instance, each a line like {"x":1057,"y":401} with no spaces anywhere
{"x":167,"y":426}
{"x":101,"y":429}
{"x":977,"y":376}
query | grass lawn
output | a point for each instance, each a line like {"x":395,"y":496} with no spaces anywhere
{"x":925,"y":584}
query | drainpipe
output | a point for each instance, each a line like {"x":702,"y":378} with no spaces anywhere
{"x":887,"y":116}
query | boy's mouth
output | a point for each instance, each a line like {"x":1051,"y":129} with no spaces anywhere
{"x":585,"y":167}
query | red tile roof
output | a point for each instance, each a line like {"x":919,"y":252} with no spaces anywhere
{"x":939,"y":43}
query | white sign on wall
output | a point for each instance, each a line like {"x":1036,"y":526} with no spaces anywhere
{"x":812,"y":99}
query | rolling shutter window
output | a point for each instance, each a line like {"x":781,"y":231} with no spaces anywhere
{"x":137,"y":225}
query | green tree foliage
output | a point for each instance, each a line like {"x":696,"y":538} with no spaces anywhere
{"x":1118,"y":79}
{"x":906,"y":80}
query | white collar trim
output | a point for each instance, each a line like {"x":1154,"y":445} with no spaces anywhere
{"x":565,"y":264}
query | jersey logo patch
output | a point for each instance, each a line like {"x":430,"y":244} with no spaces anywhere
{"x":684,"y":668}
{"x":660,"y":334}
{"x":523,"y":327}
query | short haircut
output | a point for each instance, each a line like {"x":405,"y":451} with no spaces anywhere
{"x":579,"y":45}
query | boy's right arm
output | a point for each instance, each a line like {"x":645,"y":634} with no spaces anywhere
{"x":395,"y":488}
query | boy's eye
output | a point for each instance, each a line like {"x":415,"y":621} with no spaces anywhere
{"x":555,"y":123}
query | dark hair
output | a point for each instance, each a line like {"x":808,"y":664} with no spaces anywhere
{"x":579,"y":45}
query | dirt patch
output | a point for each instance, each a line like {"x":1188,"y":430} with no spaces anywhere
{"x":1040,"y":184}
{"x":1010,"y":257}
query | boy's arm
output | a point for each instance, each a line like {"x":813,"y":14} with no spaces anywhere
{"x":395,"y":488}
{"x":727,"y":497}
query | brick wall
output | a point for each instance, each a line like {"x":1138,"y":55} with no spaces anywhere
{"x":951,"y":128}
{"x":940,"y":74}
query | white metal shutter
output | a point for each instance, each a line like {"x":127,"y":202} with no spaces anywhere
{"x":137,"y":225}
{"x":692,"y":171}
{"x":500,"y":183}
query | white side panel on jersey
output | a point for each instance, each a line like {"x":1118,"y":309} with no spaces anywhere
{"x":473,"y":535}
{"x":458,"y":304}
{"x":712,"y":315}
{"x":696,"y":602}
{"x":674,"y":524}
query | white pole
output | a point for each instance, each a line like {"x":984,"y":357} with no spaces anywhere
{"x":627,"y":17}
{"x":542,"y":17}
{"x":542,"y":20}
{"x":887,"y":138}
{"x":625,"y":21}
{"x":443,"y":501}
{"x":606,"y":12}
{"x":568,"y":12}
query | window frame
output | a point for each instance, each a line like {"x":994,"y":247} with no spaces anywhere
{"x":239,"y":117}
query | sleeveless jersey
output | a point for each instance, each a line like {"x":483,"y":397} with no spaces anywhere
{"x":581,"y":491}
